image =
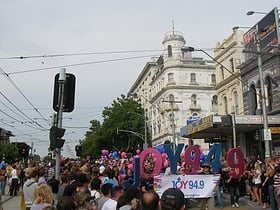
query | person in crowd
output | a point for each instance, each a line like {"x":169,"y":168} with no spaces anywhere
{"x":206,"y":170}
{"x":276,"y":179}
{"x":111,"y":178}
{"x":219,"y":191}
{"x":54,"y":184}
{"x":14,"y":176}
{"x":2,"y":179}
{"x":79,"y":183}
{"x":29,"y":188}
{"x":106,"y":202}
{"x":129,"y":200}
{"x":146,"y":183}
{"x":233,"y":186}
{"x":82,"y":200}
{"x":42,"y":176}
{"x":264,"y":187}
{"x":150,"y":201}
{"x":66,"y":203}
{"x":64,"y":182}
{"x":257,"y":173}
{"x":43,"y":197}
{"x":129,"y":176}
{"x":270,"y":172}
{"x":172,"y":198}
{"x":95,"y":192}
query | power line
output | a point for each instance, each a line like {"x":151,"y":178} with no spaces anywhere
{"x":77,"y":54}
{"x":80,"y":64}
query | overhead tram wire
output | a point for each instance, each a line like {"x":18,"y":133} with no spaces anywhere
{"x":80,"y":64}
{"x":18,"y":111}
{"x":30,"y":103}
{"x":77,"y":54}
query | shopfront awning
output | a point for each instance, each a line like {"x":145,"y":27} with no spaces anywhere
{"x":212,"y":126}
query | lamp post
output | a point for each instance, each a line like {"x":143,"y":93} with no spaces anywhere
{"x":266,"y":130}
{"x":134,"y":133}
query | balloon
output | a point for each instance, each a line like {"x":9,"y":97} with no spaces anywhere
{"x":137,"y":151}
{"x":160,"y":149}
{"x":123,"y":154}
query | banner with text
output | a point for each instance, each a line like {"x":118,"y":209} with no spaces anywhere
{"x":193,"y":186}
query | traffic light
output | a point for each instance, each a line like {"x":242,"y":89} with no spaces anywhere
{"x":55,"y":137}
{"x":69,"y":93}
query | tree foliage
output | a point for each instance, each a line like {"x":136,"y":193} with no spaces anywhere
{"x":10,"y":152}
{"x":125,"y":115}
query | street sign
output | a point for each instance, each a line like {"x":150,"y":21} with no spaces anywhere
{"x":266,"y":134}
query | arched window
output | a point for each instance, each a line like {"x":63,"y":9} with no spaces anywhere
{"x":236,"y":102}
{"x":213,"y":78}
{"x":193,"y":99}
{"x":225,"y":105}
{"x":214,"y":103}
{"x":169,"y":50}
{"x":252,"y":100}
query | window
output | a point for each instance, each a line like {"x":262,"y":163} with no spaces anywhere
{"x":225,"y":105}
{"x":222,"y":72}
{"x":193,"y":99}
{"x":170,"y":77}
{"x":193,"y":78}
{"x":213,"y":79}
{"x":236,"y":102}
{"x":232,"y":64}
{"x":169,"y":50}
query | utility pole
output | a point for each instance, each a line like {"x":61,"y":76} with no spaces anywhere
{"x":172,"y":102}
{"x":61,"y":83}
{"x":266,"y":130}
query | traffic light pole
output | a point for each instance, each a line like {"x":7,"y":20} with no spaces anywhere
{"x":61,"y":81}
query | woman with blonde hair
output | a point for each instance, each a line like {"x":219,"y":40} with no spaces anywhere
{"x":43,"y":197}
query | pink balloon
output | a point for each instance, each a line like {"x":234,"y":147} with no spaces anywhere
{"x":130,"y":166}
{"x":123,"y":155}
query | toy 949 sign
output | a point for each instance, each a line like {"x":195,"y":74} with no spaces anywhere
{"x":193,"y":186}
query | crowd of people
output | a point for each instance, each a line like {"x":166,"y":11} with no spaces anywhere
{"x":99,"y":185}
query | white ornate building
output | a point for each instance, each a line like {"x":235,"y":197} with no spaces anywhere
{"x":175,"y":88}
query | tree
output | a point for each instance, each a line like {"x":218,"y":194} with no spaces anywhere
{"x":124,"y":114}
{"x":10,"y":152}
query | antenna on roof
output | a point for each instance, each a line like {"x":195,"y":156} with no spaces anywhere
{"x":173,"y":27}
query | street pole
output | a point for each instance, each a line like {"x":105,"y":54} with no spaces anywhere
{"x":233,"y":129}
{"x":267,"y":138}
{"x":61,"y":83}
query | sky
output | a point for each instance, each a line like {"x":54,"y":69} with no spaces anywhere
{"x":105,"y":44}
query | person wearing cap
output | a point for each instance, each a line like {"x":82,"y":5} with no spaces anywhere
{"x":206,"y":170}
{"x":172,"y":198}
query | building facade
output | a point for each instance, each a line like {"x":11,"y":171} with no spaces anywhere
{"x":181,"y":89}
